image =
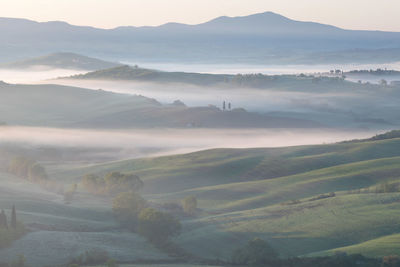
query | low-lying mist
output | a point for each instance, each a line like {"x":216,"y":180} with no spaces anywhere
{"x":33,"y":75}
{"x":122,"y":144}
{"x":257,"y":100}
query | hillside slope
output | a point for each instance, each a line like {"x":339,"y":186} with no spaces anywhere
{"x":303,"y":200}
{"x":63,"y":106}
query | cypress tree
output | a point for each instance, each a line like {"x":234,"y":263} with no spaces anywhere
{"x":13,"y":218}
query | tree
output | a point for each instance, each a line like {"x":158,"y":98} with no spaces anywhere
{"x":157,"y":226}
{"x":257,"y":251}
{"x":383,"y":82}
{"x":13,"y":218}
{"x":126,"y":208}
{"x":93,"y":183}
{"x":117,"y":182}
{"x":189,"y":204}
{"x":223,"y":105}
{"x":113,"y":183}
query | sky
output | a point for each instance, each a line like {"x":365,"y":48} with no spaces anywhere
{"x":349,"y":14}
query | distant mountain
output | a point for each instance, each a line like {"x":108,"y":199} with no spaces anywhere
{"x":45,"y":105}
{"x":61,"y":61}
{"x":261,"y":38}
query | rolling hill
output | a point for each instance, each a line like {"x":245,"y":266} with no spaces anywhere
{"x":60,"y":61}
{"x":306,"y":200}
{"x":63,"y":106}
{"x":261,"y":38}
{"x":304,"y":83}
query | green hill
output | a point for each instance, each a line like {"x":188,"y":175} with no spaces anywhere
{"x":286,"y":82}
{"x":283,"y":195}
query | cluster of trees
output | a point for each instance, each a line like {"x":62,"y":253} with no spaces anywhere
{"x":10,"y":230}
{"x":29,"y":169}
{"x":157,"y":226}
{"x":376,"y":72}
{"x":112,"y":183}
{"x":387,"y":187}
{"x":134,"y":213}
{"x":323,"y":196}
{"x":255,"y":252}
{"x":385,"y":136}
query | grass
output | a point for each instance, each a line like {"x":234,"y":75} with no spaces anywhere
{"x":243,"y":194}
{"x":379,"y":247}
{"x":60,"y":231}
{"x":242,"y":191}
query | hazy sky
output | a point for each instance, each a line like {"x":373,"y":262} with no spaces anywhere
{"x":351,"y":14}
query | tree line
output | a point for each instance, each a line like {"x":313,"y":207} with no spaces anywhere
{"x":31,"y":170}
{"x":112,"y":183}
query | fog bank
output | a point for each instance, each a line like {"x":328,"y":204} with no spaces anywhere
{"x":156,"y":142}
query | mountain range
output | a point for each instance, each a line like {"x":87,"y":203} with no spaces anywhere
{"x":266,"y":38}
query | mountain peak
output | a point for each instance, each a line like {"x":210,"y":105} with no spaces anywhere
{"x":259,"y":17}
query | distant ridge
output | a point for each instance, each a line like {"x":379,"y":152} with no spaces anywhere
{"x":262,"y":38}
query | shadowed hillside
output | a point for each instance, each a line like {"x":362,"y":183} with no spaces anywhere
{"x":54,"y":105}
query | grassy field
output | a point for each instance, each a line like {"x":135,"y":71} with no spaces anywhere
{"x":274,"y":194}
{"x":59,"y":232}
{"x":386,"y":245}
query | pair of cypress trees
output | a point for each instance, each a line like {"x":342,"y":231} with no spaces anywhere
{"x":3,"y":219}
